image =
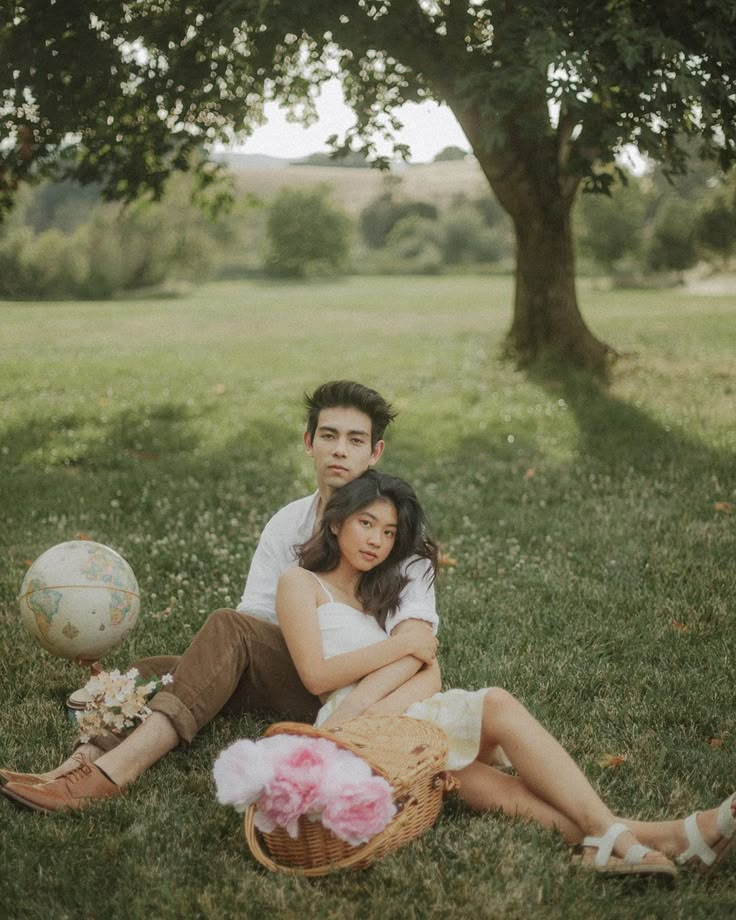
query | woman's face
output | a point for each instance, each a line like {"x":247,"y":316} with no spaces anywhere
{"x":367,"y":537}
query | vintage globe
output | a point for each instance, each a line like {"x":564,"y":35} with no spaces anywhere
{"x":79,"y":599}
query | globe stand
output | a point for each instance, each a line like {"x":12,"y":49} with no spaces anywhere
{"x":77,"y":701}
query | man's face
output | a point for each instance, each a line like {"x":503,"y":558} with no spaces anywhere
{"x":341,"y":448}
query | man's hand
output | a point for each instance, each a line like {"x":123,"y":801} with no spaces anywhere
{"x":421,"y":642}
{"x":410,"y":624}
{"x":425,"y":683}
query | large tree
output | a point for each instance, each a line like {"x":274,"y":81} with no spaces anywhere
{"x":547,"y":94}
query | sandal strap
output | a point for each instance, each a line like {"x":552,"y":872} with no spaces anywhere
{"x":604,"y":844}
{"x":636,"y":853}
{"x":726,"y":820}
{"x":697,"y":847}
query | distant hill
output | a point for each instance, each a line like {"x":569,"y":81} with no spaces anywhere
{"x":238,"y":161}
{"x":438,"y":183}
{"x":349,"y":161}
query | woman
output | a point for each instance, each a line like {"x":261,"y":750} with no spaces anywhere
{"x":331,"y":609}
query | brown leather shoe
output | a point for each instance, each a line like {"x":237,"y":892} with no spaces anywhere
{"x":33,"y":779}
{"x":70,"y":792}
{"x":28,"y":779}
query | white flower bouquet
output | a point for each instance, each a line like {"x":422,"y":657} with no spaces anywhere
{"x":116,"y":702}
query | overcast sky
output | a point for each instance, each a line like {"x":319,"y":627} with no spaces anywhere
{"x":428,"y":128}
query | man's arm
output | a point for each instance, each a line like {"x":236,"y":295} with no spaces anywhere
{"x":273,"y":555}
{"x":380,"y":684}
{"x":417,"y":601}
{"x":297,"y":606}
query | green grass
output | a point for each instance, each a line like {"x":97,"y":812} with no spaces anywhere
{"x":594,"y":574}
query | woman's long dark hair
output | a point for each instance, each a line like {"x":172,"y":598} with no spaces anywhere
{"x":379,"y":589}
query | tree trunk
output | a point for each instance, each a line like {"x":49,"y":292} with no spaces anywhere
{"x":532,"y":184}
{"x":547,"y":321}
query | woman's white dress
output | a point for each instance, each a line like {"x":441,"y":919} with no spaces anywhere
{"x":457,"y":712}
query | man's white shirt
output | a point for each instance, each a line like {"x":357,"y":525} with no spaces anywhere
{"x":275,"y":553}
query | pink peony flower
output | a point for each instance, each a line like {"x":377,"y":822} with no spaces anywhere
{"x":288,"y":776}
{"x":241,"y":771}
{"x":359,"y":811}
{"x":343,"y":767}
{"x":284,"y":800}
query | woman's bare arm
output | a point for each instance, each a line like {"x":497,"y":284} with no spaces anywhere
{"x":381,"y":683}
{"x":296,"y":608}
{"x":362,"y":699}
{"x":424,"y":684}
{"x":374,"y":687}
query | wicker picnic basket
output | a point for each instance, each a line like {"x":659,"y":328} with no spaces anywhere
{"x":409,"y":753}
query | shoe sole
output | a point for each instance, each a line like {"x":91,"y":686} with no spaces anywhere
{"x":616,"y":868}
{"x":19,"y":800}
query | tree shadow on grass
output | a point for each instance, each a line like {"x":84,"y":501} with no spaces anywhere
{"x":617,"y":436}
{"x":140,"y":470}
{"x":97,"y":440}
{"x":162,"y":433}
{"x":172,"y":508}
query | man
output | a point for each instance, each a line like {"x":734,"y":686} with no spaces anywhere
{"x":238,"y":660}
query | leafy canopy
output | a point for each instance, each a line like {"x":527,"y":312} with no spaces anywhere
{"x":130,"y":91}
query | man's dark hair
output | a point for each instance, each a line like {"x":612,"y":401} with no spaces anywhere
{"x":346,"y":394}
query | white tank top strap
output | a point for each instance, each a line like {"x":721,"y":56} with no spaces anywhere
{"x":324,"y":587}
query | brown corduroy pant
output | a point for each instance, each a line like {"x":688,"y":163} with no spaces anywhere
{"x":236,"y":663}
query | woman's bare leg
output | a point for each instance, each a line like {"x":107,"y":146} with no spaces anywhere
{"x":669,"y":836}
{"x":485,"y":788}
{"x":547,"y":772}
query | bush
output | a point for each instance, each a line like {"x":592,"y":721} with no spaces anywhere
{"x":450,"y":154}
{"x":672,"y":243}
{"x":378,"y":218}
{"x":466,"y":238}
{"x":611,"y":229}
{"x":715,"y":228}
{"x":307,"y":235}
{"x":490,"y":210}
{"x":99,"y":250}
{"x":414,"y":246}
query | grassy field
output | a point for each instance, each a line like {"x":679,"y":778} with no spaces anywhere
{"x":594,"y":578}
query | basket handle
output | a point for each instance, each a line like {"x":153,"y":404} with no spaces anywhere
{"x":447,"y":780}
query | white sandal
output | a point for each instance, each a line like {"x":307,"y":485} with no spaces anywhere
{"x":632,"y":863}
{"x":698,"y":854}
